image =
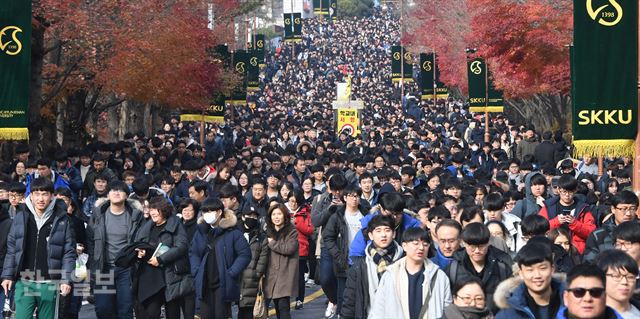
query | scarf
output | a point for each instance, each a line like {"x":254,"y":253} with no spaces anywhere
{"x":382,"y":256}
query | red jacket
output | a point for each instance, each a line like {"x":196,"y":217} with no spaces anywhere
{"x":302,"y":220}
{"x":583,"y":224}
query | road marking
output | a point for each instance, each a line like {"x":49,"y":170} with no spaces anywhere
{"x":307,"y":299}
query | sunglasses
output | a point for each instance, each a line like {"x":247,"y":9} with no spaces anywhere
{"x":580,"y":292}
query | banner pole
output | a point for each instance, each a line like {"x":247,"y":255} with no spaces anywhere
{"x":487,"y":136}
{"x":636,"y":160}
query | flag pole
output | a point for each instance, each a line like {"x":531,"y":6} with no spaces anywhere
{"x":636,"y":159}
{"x":487,"y":136}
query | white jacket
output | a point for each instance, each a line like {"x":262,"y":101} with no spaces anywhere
{"x":392,"y":296}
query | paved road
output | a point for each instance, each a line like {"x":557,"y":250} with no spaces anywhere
{"x":315,"y":305}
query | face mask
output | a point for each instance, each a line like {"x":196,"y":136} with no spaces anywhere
{"x":210,"y":218}
{"x":474,"y":148}
{"x":250,"y":223}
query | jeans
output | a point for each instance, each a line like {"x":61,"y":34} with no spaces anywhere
{"x":328,"y":280}
{"x":283,"y":307}
{"x":341,"y":283}
{"x":114,"y":295}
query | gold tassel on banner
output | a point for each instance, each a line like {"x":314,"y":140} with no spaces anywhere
{"x":608,"y":148}
{"x":10,"y":133}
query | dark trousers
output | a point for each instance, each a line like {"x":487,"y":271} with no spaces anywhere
{"x":245,"y":313}
{"x":302,"y":269}
{"x":327,"y":276}
{"x":312,"y":260}
{"x":114,"y":297}
{"x":188,"y":305}
{"x":212,"y":306}
{"x":283,"y":307}
{"x":150,"y":308}
{"x":340,"y":285}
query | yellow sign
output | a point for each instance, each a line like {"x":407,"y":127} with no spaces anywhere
{"x":475,"y":67}
{"x":13,"y":46}
{"x":605,"y":16}
{"x":348,"y":122}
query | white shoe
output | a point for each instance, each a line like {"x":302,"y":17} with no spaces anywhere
{"x":331,"y":310}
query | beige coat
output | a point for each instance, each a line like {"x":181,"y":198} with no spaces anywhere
{"x":282,"y":268}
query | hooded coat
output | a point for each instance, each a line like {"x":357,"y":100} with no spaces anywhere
{"x":583,"y":224}
{"x":232,"y":255}
{"x":61,"y":244}
{"x":527,"y":206}
{"x":511,"y":298}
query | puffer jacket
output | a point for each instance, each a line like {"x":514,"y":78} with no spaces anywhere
{"x":97,"y":232}
{"x":335,"y":237}
{"x":61,"y":246}
{"x":600,"y":240}
{"x":256,"y":269}
{"x":497,"y":268}
{"x":394,"y":288}
{"x":232,"y":255}
{"x":583,"y":224}
{"x":527,"y":206}
{"x":175,"y":261}
{"x":302,"y":220}
{"x":510,"y":297}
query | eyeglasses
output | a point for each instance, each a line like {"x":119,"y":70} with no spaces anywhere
{"x":618,"y":277}
{"x":631,"y":209}
{"x":624,"y":244}
{"x":468,"y":299}
{"x":566,"y":192}
{"x":478,"y":247}
{"x":596,"y":292}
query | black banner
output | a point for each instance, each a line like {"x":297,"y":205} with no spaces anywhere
{"x":321,"y":6}
{"x":401,"y":64}
{"x":240,"y":59}
{"x":427,"y":76}
{"x":253,"y":71}
{"x":333,"y":10}
{"x":258,"y":46}
{"x":297,"y":27}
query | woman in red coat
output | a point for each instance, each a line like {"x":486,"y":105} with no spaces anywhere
{"x":301,"y":217}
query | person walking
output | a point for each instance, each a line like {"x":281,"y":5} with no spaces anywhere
{"x":281,"y":280}
{"x":162,"y":279}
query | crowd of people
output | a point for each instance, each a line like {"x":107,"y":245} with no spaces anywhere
{"x":417,"y":217}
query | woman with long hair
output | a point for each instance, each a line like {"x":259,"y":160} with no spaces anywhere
{"x":282,"y":269}
{"x":301,"y":215}
{"x":243,"y":183}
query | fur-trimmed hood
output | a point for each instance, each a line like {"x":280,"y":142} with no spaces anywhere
{"x":508,"y":290}
{"x":228,"y":220}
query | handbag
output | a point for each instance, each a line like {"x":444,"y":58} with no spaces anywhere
{"x":260,"y":308}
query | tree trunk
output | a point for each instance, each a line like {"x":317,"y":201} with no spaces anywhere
{"x":544,"y":111}
{"x":147,"y":121}
{"x":60,"y":122}
{"x":123,"y":120}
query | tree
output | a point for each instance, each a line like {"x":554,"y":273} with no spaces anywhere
{"x":89,"y":56}
{"x":355,"y":8}
{"x":524,"y":43}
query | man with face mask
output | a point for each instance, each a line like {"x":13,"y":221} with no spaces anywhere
{"x":219,"y":253}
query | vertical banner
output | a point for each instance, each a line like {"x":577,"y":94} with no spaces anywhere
{"x":333,"y":10}
{"x":396,"y":63}
{"x":240,"y":60}
{"x":297,"y":27}
{"x":426,"y":74}
{"x":321,"y":7}
{"x":259,"y":46}
{"x":253,"y":71}
{"x":477,"y":76}
{"x":15,"y":66}
{"x":288,"y":26}
{"x":605,"y":65}
{"x":401,"y":64}
{"x":348,"y":122}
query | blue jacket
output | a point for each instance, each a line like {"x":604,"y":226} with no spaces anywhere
{"x":232,"y":255}
{"x":441,"y":260}
{"x":511,"y":297}
{"x":58,"y":182}
{"x":359,"y":244}
{"x":61,"y":245}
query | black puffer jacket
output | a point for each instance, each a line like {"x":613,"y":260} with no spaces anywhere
{"x":256,"y":269}
{"x":335,"y":236}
